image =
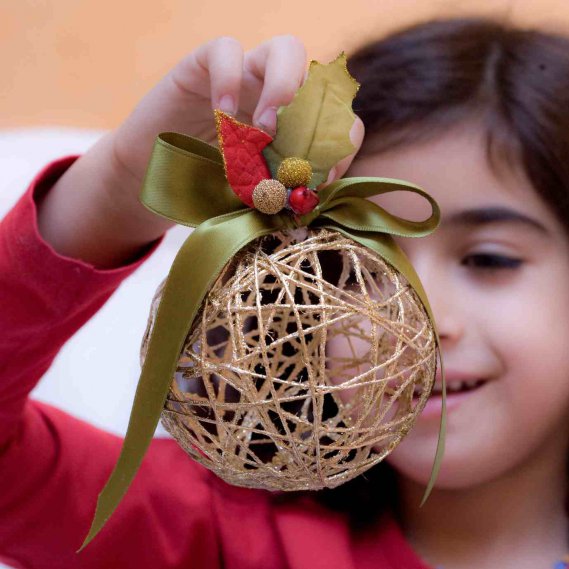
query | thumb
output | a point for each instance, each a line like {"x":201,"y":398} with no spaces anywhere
{"x":356,"y":136}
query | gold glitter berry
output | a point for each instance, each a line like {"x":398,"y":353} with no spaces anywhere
{"x":294,"y":172}
{"x":269,"y":196}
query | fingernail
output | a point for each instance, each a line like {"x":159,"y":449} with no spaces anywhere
{"x":268,"y":120}
{"x":353,"y":131}
{"x":329,"y":180}
{"x":227,"y":104}
{"x":331,"y":175}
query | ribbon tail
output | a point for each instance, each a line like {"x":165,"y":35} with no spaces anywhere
{"x":385,"y":245}
{"x":156,"y":375}
{"x":442,"y":430}
{"x":413,"y":278}
{"x":197,"y":264}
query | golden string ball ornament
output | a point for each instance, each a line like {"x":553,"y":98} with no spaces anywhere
{"x":293,"y":172}
{"x":304,"y":359}
{"x":300,"y":368}
{"x":269,"y":196}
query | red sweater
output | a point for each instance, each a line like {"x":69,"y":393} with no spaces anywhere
{"x":53,"y":466}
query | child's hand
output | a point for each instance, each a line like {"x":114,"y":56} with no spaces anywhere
{"x":217,"y":74}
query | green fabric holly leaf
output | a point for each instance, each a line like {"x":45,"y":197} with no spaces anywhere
{"x":316,"y":124}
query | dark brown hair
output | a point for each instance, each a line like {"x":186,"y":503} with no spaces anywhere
{"x":421,"y":80}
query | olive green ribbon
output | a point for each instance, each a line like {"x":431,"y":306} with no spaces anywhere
{"x":185,"y":182}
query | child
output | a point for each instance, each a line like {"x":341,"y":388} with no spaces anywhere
{"x":477,"y":114}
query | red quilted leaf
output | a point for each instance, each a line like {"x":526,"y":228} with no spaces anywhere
{"x":241,"y":146}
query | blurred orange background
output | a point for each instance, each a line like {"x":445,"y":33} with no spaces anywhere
{"x":87,"y":62}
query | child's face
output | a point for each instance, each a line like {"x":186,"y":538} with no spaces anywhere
{"x":509,"y":326}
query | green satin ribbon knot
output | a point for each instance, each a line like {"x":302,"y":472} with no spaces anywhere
{"x":185,"y":182}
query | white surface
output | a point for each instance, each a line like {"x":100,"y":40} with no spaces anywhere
{"x":95,"y":375}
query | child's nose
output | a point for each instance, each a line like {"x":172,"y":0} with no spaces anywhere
{"x":446,"y":302}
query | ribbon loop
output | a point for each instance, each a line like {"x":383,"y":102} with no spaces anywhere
{"x":185,"y":182}
{"x":191,"y":178}
{"x":361,"y":214}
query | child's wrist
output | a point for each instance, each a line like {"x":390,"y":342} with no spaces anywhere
{"x":92,"y":212}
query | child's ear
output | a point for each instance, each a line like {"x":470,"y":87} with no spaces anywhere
{"x":356,"y":136}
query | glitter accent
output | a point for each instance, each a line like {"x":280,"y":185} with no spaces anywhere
{"x":269,"y":196}
{"x":294,"y":171}
{"x":218,"y":116}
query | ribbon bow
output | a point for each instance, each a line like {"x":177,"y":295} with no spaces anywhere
{"x":185,"y":182}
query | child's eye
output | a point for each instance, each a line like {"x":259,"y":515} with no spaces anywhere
{"x":491,"y":261}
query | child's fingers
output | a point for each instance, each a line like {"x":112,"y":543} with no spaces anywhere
{"x":356,"y":136}
{"x":280,"y":65}
{"x":213,"y":71}
{"x":225,"y":64}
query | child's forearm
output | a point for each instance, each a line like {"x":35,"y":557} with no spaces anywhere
{"x":92,"y":212}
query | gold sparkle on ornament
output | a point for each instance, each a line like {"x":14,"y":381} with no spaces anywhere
{"x":334,"y":356}
{"x":269,"y":196}
{"x":294,"y":172}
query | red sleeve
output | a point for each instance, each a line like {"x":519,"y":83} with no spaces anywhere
{"x":52,"y":465}
{"x":45,"y":298}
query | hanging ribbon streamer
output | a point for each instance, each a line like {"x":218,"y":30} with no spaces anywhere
{"x":185,"y":182}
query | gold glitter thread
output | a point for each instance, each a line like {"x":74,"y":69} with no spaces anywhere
{"x":299,"y":370}
{"x":294,"y":172}
{"x":269,"y":196}
{"x":218,"y":115}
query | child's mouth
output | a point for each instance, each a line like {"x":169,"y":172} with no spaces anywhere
{"x":456,"y":393}
{"x":452,"y":388}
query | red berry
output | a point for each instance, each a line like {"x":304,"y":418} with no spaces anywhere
{"x":302,"y":200}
